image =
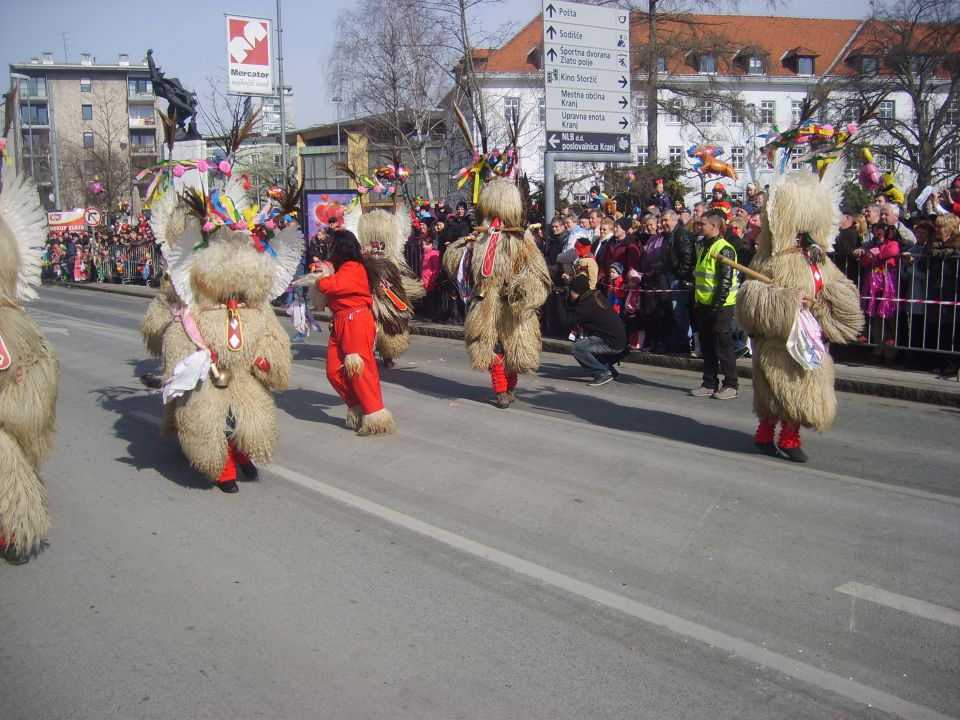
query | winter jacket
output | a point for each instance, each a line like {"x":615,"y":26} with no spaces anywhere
{"x":430,"y":269}
{"x":682,"y":251}
{"x":593,"y":314}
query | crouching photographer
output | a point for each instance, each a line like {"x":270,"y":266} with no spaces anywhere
{"x":603,"y":340}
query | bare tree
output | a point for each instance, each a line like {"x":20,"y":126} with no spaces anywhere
{"x":907,"y":52}
{"x":103,"y":155}
{"x":394,"y":87}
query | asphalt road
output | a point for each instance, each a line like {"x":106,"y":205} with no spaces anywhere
{"x":613,"y":552}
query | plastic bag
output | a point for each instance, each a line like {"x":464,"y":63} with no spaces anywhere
{"x":805,"y":343}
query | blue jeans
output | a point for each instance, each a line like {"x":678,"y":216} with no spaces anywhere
{"x":586,"y":351}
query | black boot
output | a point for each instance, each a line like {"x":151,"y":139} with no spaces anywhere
{"x":249,"y":471}
{"x":229,"y":487}
{"x":769,"y":448}
{"x":795,"y":454}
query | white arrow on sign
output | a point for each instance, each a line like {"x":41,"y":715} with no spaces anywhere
{"x":554,"y":141}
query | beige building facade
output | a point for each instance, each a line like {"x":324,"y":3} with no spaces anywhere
{"x":82,"y":123}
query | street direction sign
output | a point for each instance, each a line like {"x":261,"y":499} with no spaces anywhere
{"x":586,"y":78}
{"x":93,"y":216}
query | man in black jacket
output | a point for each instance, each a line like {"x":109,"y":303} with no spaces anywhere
{"x":604,"y":340}
{"x":680,"y":248}
{"x":714,"y":298}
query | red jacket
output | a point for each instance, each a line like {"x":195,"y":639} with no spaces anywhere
{"x":347,"y":289}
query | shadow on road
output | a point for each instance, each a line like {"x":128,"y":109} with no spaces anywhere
{"x":309,"y":405}
{"x":146,"y":449}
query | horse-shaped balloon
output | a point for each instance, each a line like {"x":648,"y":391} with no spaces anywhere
{"x":707,"y":163}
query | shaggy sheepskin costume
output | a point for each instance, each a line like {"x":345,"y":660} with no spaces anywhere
{"x":219,"y":320}
{"x":800,"y":221}
{"x":382,"y":235}
{"x":508,"y":283}
{"x":29,"y":375}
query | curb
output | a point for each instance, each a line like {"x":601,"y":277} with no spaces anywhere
{"x":929,"y":396}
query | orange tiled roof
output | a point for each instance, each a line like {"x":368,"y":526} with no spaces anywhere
{"x":775,"y":37}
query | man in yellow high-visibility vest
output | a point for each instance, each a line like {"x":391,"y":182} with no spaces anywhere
{"x":714,"y":300}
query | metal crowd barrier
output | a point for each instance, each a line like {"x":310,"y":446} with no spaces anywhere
{"x":925,"y":308}
{"x":141,"y":264}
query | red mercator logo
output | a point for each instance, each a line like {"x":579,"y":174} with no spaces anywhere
{"x":249,"y":42}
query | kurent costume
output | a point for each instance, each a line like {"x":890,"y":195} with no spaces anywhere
{"x":29,"y":375}
{"x":506,"y":280}
{"x":382,"y":235}
{"x":800,"y":220}
{"x":226,"y":262}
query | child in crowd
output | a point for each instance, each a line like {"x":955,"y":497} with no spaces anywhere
{"x":879,"y":260}
{"x":633,"y":310}
{"x":615,"y":291}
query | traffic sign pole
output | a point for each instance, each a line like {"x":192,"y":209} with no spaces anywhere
{"x":586,"y":88}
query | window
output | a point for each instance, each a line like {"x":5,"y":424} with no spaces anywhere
{"x":34,"y":87}
{"x":86,"y":112}
{"x":579,"y":198}
{"x":796,"y":108}
{"x":886,"y":111}
{"x":139,"y":86}
{"x":143,"y":140}
{"x":89,"y":169}
{"x":795,"y":153}
{"x":511,"y":108}
{"x":804,"y":66}
{"x":640,"y":112}
{"x":88,"y":139}
{"x":543,"y":111}
{"x":883,"y":161}
{"x":869,"y":65}
{"x":768,"y":112}
{"x":675,"y":109}
{"x":661,"y":64}
{"x":707,"y":63}
{"x":255,"y":159}
{"x":755,"y":65}
{"x":951,"y":160}
{"x":851,"y":112}
{"x":675,"y":154}
{"x":643,"y":155}
{"x":705,"y":111}
{"x":85,"y":84}
{"x":736,"y":114}
{"x":142,"y":115}
{"x":33,"y":115}
{"x":952,"y":118}
{"x":738,"y":154}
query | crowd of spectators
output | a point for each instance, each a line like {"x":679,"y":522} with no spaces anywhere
{"x":120,"y":253}
{"x":642,"y":262}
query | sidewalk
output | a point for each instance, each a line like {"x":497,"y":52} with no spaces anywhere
{"x":888,"y":382}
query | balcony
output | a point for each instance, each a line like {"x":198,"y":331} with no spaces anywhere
{"x":141,"y":97}
{"x":143,"y":150}
{"x":143,"y":122}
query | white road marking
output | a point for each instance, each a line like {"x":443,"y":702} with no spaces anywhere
{"x":920,"y":608}
{"x":47,"y":330}
{"x":823,"y":679}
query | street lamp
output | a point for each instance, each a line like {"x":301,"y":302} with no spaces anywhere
{"x":20,"y":77}
{"x":338,"y":100}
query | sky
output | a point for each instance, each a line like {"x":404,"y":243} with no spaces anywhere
{"x":189,"y":43}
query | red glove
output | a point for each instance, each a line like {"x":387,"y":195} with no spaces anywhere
{"x":262,"y":364}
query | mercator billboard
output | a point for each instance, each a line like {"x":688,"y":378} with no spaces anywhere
{"x":249,"y":56}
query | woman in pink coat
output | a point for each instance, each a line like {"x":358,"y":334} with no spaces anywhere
{"x":430,"y":278}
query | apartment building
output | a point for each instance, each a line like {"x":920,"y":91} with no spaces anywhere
{"x":268,"y":121}
{"x":78,"y":122}
{"x":757,"y":69}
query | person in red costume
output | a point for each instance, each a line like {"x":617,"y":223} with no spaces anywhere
{"x":351,"y":366}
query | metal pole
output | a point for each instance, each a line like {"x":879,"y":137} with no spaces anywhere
{"x":283,"y":112}
{"x":337,"y":101}
{"x":53,"y":152}
{"x":549,"y":160}
{"x":33,"y":172}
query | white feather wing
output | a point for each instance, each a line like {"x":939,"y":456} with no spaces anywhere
{"x":24,"y":224}
{"x":351,"y":217}
{"x":160,"y":215}
{"x":179,"y":257}
{"x":288,"y":244}
{"x":234,"y":190}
